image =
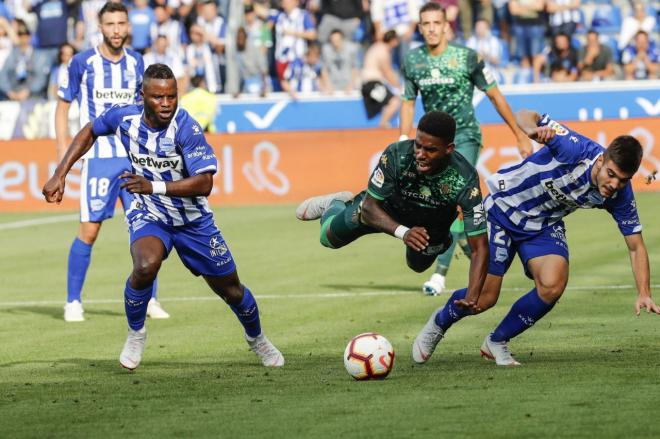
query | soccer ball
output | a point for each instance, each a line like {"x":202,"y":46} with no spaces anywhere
{"x":368,"y":356}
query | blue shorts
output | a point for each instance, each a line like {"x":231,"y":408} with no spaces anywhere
{"x":99,"y":188}
{"x":200,"y":245}
{"x":503,"y":246}
{"x":530,"y":39}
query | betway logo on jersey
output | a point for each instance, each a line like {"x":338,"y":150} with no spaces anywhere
{"x":114,"y":95}
{"x":156,"y":164}
{"x":556,"y":194}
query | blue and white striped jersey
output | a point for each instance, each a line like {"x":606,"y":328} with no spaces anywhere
{"x":173,"y":153}
{"x":98,"y":84}
{"x":553,"y":182}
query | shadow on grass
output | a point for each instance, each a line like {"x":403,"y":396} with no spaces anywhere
{"x":56,"y":312}
{"x":372,"y":287}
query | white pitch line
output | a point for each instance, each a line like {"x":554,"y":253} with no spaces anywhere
{"x":211,"y":297}
{"x":38,"y":221}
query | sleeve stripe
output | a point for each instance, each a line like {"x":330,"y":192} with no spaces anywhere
{"x":376,"y":196}
{"x":206,"y":169}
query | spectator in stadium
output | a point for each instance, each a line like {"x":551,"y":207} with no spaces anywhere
{"x":8,"y":39}
{"x":528,"y":30}
{"x":87,"y":34}
{"x":596,"y":60}
{"x":559,"y":62}
{"x":344,"y":15}
{"x":471,"y":10}
{"x":201,"y":104}
{"x":308,"y":75}
{"x":294,"y":29}
{"x":446,"y":75}
{"x":640,"y":59}
{"x":487,"y":46}
{"x":525,"y":211}
{"x":380,"y":83}
{"x":160,"y":53}
{"x":564,"y":16}
{"x":52,"y":26}
{"x":502,"y":18}
{"x":340,"y":60}
{"x":215,"y":32}
{"x":171,"y":208}
{"x":102,"y":166}
{"x":413,"y":194}
{"x":401,"y":17}
{"x":59,"y":73}
{"x":640,"y":20}
{"x":171,"y":28}
{"x":142,"y":18}
{"x":201,"y":61}
{"x":22,"y":76}
{"x":252,"y":61}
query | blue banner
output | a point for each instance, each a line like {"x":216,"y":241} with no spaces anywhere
{"x":569,"y":102}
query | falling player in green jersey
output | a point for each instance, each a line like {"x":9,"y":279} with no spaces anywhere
{"x":413,"y":194}
{"x":445,"y":75}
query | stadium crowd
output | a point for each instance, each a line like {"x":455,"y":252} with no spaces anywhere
{"x":300,"y":46}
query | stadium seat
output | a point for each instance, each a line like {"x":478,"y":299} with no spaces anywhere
{"x":523,"y":76}
{"x":506,"y":54}
{"x":607,"y":19}
{"x":611,"y":42}
{"x":582,"y":24}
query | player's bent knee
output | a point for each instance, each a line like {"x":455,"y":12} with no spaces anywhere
{"x":146,"y":270}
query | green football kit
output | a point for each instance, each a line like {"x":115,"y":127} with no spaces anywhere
{"x":412,"y":199}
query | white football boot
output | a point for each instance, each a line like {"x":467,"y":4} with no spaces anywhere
{"x":131,"y":355}
{"x":73,"y":312}
{"x":155,"y":310}
{"x":312,"y":208}
{"x":269,"y":355}
{"x":434,"y":286}
{"x":498,"y":351}
{"x":427,"y":339}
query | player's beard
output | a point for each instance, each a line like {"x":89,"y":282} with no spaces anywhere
{"x":112,"y":46}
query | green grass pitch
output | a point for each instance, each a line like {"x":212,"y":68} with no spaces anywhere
{"x":591,"y":368}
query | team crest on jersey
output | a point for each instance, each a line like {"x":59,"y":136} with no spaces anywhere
{"x":558,"y":128}
{"x":435,"y":73}
{"x":452,"y":63}
{"x":197,"y":130}
{"x":383,"y":160}
{"x":473,"y":193}
{"x":378,"y":178}
{"x":166,"y":144}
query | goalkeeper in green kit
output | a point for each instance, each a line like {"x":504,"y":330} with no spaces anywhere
{"x":445,"y":75}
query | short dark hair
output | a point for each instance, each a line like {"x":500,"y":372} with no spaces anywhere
{"x":438,"y":124}
{"x":112,"y":7}
{"x":432,"y":6}
{"x":390,"y":35}
{"x":158,"y":71}
{"x":626,"y":152}
{"x":337,"y":31}
{"x":197,"y":80}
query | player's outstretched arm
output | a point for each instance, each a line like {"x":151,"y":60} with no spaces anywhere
{"x":502,"y":106}
{"x":406,"y":116}
{"x":53,"y":190}
{"x":375,"y":216}
{"x":639,"y":259}
{"x":478,"y":270}
{"x":195,"y":186}
{"x":527,"y":120}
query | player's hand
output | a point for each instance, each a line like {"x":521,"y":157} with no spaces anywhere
{"x":417,"y":238}
{"x":54,"y":189}
{"x":544,"y":134}
{"x":469,"y":303}
{"x":646,"y":302}
{"x":135,"y":184}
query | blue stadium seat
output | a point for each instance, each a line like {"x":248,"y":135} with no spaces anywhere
{"x":523,"y":76}
{"x":607,"y":19}
{"x":611,"y":42}
{"x":582,"y":25}
{"x":506,"y":53}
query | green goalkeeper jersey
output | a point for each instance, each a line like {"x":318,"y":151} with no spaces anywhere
{"x":446,"y":83}
{"x":427,"y":200}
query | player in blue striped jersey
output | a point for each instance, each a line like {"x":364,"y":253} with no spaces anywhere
{"x":97,"y":79}
{"x":525,"y":211}
{"x":172,"y":173}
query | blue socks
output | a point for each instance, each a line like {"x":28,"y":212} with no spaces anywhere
{"x":451,"y":314}
{"x":248,"y":314}
{"x":135,"y":304}
{"x":79,"y":257}
{"x":523,"y":314}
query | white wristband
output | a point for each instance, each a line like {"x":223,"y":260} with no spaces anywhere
{"x":400,"y":231}
{"x":158,"y":188}
{"x":403,"y":137}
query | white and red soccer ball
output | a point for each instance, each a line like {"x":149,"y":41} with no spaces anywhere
{"x":369,"y":356}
